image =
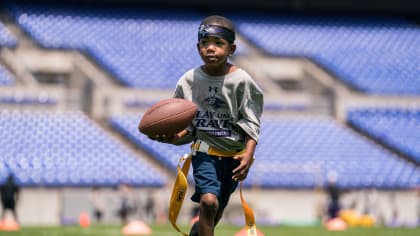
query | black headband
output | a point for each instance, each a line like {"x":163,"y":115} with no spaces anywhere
{"x":216,"y":31}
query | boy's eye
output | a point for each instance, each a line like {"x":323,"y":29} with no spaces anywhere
{"x":217,"y":42}
{"x":220,"y":42}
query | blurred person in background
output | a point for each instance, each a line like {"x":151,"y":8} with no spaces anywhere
{"x":333,"y":192}
{"x":9,"y":197}
{"x":394,"y":221}
{"x":97,"y":201}
{"x":149,"y":208}
{"x":126,"y":203}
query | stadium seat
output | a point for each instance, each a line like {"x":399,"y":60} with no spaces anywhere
{"x":168,"y":155}
{"x":376,"y":55}
{"x":7,"y":39}
{"x":147,"y":49}
{"x":299,"y":153}
{"x":397,"y":127}
{"x":67,"y":149}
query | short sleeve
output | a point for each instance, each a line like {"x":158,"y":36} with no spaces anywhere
{"x":251,"y":109}
{"x":178,"y":93}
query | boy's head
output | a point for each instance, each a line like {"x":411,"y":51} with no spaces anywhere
{"x":217,"y":26}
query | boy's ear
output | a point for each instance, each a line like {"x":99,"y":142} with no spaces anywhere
{"x":232,"y":49}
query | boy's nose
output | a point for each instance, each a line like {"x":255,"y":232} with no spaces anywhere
{"x":211,"y":46}
{"x":210,"y":50}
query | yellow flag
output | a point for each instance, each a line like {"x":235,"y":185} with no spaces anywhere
{"x":178,"y":192}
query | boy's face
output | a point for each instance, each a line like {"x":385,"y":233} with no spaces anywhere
{"x":214,"y":51}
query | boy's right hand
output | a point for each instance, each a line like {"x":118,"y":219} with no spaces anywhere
{"x":169,"y":139}
{"x":163,"y":138}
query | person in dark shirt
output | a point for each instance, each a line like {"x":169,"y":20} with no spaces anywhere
{"x":333,"y":196}
{"x":9,"y":197}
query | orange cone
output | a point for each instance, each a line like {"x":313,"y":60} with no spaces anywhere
{"x":336,"y":224}
{"x":84,"y":220}
{"x":243,"y":232}
{"x":9,"y":225}
{"x":136,"y":227}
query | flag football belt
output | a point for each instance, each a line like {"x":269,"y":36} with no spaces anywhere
{"x":181,"y":185}
{"x":201,"y":146}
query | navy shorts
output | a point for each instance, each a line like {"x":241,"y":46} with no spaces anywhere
{"x":214,"y":175}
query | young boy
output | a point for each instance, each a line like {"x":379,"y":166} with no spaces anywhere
{"x":226,"y":127}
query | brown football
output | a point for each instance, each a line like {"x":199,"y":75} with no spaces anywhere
{"x":168,"y":117}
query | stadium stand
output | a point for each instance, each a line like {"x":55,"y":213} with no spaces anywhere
{"x":22,"y":99}
{"x":116,"y":39}
{"x":67,"y":149}
{"x":396,"y":127}
{"x":298,"y":153}
{"x":376,"y":55}
{"x":7,"y":39}
{"x":303,"y":138}
{"x":322,"y":142}
{"x":168,"y":155}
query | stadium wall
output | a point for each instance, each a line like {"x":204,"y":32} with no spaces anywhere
{"x":48,"y":206}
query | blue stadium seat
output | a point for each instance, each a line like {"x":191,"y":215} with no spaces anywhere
{"x":168,"y":155}
{"x":378,"y":55}
{"x":25,"y":99}
{"x":371,"y":54}
{"x":396,"y":127}
{"x":299,"y":153}
{"x":67,"y":149}
{"x":147,"y":49}
{"x":141,"y":49}
{"x":7,"y":39}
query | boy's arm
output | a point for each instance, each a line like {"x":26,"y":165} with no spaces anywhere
{"x":251,"y":110}
{"x":245,"y":159}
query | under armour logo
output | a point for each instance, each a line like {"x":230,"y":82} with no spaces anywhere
{"x":213,"y":88}
{"x":204,"y":30}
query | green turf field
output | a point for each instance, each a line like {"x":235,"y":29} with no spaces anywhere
{"x":221,"y":231}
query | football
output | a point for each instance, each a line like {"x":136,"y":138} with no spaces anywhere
{"x":167,"y":117}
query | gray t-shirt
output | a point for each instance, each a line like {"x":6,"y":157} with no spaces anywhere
{"x":229,"y":107}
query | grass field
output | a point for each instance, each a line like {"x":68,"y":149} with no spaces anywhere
{"x":99,"y":230}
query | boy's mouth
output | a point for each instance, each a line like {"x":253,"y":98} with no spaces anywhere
{"x":211,"y":57}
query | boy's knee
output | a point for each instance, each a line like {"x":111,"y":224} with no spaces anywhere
{"x":209,"y":203}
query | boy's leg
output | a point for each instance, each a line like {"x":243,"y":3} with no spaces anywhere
{"x":213,"y":177}
{"x":227,"y":188}
{"x":194,"y":229}
{"x":208,"y":210}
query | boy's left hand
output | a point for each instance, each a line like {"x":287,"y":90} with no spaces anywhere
{"x":245,"y":162}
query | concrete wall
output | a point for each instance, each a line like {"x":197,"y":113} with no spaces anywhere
{"x":55,"y":206}
{"x":38,"y":206}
